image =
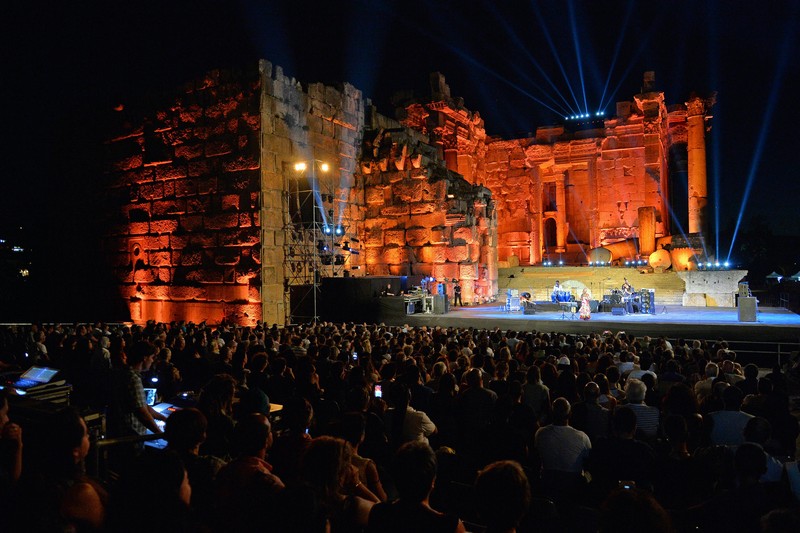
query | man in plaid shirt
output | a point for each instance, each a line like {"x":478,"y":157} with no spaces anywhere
{"x":129,"y":413}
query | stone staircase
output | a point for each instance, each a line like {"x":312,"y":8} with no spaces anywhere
{"x":539,"y":281}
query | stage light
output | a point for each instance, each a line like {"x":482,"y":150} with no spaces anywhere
{"x":716,"y":265}
{"x":708,"y":265}
{"x":326,"y":230}
{"x":726,"y":264}
{"x":339,"y":230}
{"x":300,"y":167}
{"x":590,"y":263}
{"x":561,"y":263}
{"x":324,"y":167}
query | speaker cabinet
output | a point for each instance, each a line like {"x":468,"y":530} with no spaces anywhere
{"x":618,"y":310}
{"x":648,"y":301}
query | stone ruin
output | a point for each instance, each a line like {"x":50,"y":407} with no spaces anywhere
{"x":205,"y":215}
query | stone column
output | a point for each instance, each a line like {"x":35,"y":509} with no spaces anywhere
{"x":647,"y":230}
{"x":561,"y":216}
{"x":696,"y":149}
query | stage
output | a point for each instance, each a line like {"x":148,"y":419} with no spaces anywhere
{"x":772,"y":324}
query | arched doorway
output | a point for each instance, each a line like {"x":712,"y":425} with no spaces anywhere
{"x":550,"y":235}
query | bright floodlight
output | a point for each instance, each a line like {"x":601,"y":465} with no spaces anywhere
{"x":324,"y":167}
{"x":726,"y":264}
{"x":299,"y":167}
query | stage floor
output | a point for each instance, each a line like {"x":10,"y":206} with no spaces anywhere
{"x":773,"y":324}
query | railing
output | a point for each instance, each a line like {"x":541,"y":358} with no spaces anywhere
{"x":765,"y":354}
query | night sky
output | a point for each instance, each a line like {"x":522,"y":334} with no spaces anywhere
{"x":520,"y":64}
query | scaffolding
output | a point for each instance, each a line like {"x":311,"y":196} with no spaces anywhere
{"x":317,"y":242}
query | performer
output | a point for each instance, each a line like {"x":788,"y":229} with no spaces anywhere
{"x":628,"y":297}
{"x":585,"y":312}
{"x":556,"y":290}
{"x":627,"y":288}
{"x":457,"y":295}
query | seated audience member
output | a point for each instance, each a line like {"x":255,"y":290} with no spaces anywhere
{"x":562,"y":451}
{"x":246,"y":487}
{"x":352,"y":429}
{"x":631,"y":510}
{"x":59,"y":496}
{"x":741,"y":508}
{"x":185,"y":432}
{"x":727,"y":426}
{"x":759,"y":431}
{"x":621,"y":457}
{"x":216,"y":403}
{"x":326,"y":469}
{"x":414,"y":473}
{"x":10,"y":448}
{"x":503,"y":496}
{"x":589,"y":416}
{"x":405,"y":423}
{"x":647,"y":417}
{"x":536,"y":394}
{"x":678,"y":481}
{"x":702,"y":388}
{"x":152,"y":496}
{"x":291,"y":444}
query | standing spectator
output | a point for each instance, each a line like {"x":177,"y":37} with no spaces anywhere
{"x":129,"y":413}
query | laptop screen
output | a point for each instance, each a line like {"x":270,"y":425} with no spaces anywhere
{"x":151,"y":396}
{"x":40,"y":373}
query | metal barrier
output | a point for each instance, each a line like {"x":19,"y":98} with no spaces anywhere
{"x":765,"y":354}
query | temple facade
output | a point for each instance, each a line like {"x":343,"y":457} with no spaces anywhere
{"x":231,"y":192}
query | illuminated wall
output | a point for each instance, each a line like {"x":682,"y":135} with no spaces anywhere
{"x":183,"y":191}
{"x":571,"y":187}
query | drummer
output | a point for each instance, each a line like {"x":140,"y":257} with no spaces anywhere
{"x":556,"y":291}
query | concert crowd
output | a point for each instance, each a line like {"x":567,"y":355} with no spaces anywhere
{"x":366,"y":427}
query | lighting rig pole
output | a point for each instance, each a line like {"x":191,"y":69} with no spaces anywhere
{"x":300,"y":167}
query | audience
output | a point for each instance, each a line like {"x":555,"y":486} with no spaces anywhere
{"x":599,"y":431}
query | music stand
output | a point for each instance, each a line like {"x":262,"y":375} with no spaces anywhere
{"x":572,"y":306}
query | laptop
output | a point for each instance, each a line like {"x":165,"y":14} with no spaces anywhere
{"x":34,"y":377}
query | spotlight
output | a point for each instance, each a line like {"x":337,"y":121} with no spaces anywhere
{"x":561,"y":263}
{"x":300,"y":167}
{"x":590,"y":263}
{"x":708,"y":265}
{"x":627,"y":263}
{"x":716,"y":265}
{"x":726,"y":264}
{"x":326,"y":230}
{"x":339,"y":230}
{"x":324,"y":167}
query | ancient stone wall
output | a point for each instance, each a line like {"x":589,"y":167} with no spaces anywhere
{"x":183,"y":194}
{"x":423,"y":219}
{"x":318,"y":126}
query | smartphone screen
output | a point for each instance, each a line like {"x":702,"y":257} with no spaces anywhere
{"x":378,"y":391}
{"x":355,"y":357}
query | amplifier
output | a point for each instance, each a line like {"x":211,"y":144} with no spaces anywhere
{"x":618,"y":310}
